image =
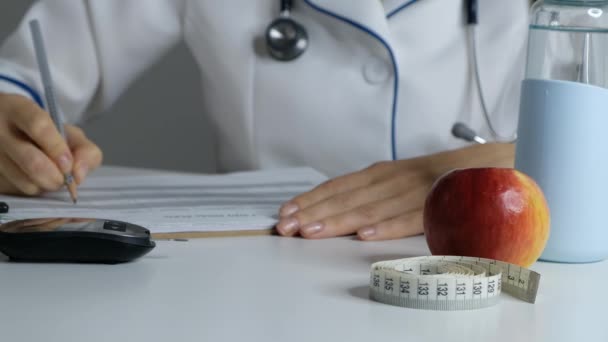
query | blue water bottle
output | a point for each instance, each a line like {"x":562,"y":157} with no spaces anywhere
{"x":563,"y":124}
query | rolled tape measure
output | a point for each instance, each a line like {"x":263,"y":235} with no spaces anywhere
{"x":449,"y":282}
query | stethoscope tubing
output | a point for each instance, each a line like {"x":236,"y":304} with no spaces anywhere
{"x":287,"y":40}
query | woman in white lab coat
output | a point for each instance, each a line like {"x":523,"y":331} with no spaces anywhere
{"x":379,"y":81}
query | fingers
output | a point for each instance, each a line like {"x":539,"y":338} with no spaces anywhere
{"x":349,"y":200}
{"x":87,"y":155}
{"x":380,"y":202}
{"x":358,"y":208}
{"x":350,"y":211}
{"x":350,"y":221}
{"x":336,"y":186}
{"x":39,"y":127}
{"x":13,"y":181}
{"x":405,"y":225}
{"x":13,"y":186}
{"x":32,"y":163}
{"x":33,"y":155}
{"x":401,"y":226}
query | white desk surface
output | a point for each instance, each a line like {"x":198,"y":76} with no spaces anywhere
{"x":276,"y":289}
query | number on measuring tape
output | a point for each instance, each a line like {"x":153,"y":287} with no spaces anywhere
{"x":388,"y":284}
{"x":442,"y":289}
{"x":423,"y":289}
{"x":449,"y":282}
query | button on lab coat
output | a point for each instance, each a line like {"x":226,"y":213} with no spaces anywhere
{"x":374,"y":72}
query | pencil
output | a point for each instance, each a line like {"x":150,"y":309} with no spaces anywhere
{"x":47,"y":83}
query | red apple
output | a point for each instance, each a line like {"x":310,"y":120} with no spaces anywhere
{"x":495,"y":213}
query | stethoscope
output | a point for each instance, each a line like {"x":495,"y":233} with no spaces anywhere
{"x":287,"y":40}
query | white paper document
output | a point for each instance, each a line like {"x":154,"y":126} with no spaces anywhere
{"x":169,"y":202}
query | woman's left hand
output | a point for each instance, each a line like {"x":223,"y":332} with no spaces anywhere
{"x":383,"y":201}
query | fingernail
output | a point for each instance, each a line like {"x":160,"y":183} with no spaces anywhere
{"x":288,"y":209}
{"x":367,"y":233}
{"x":65,"y":162}
{"x":288,"y":225}
{"x":312,"y":229}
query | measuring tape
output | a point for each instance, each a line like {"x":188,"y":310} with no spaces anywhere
{"x":449,"y":282}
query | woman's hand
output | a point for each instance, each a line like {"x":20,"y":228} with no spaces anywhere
{"x":383,"y":201}
{"x":33,"y":156}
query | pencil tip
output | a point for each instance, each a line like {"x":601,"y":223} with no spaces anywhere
{"x":71,"y":185}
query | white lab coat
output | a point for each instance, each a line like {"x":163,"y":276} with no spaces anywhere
{"x":330,"y":109}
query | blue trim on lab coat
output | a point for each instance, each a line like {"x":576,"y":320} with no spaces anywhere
{"x":34,"y":94}
{"x":393,"y":60}
{"x":400,"y":8}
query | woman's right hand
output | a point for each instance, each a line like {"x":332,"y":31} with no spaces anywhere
{"x":33,"y":156}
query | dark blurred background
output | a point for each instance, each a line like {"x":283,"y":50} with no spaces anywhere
{"x":129,"y":133}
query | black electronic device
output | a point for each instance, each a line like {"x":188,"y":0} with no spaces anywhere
{"x":79,"y":240}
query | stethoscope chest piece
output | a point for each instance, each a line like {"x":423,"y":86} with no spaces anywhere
{"x":286,"y":39}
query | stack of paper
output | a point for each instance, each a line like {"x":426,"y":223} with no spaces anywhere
{"x":167,"y":202}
